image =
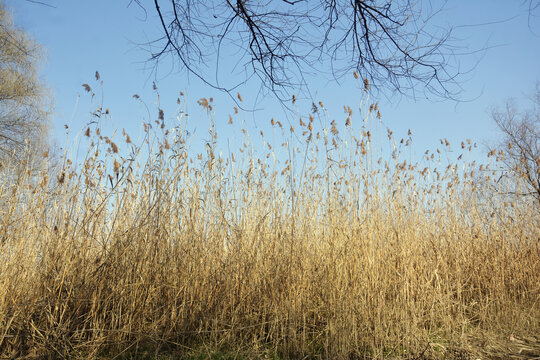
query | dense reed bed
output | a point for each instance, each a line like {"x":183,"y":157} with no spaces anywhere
{"x":331,"y":250}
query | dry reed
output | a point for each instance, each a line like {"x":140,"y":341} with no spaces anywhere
{"x":329,"y":255}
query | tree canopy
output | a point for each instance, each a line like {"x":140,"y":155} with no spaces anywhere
{"x":23,"y":99}
{"x":519,"y":148}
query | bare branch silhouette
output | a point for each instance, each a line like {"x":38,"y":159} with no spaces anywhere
{"x":389,"y":43}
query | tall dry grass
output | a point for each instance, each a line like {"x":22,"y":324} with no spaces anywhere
{"x":336,"y":251}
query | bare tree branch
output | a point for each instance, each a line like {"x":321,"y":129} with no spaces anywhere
{"x":519,"y":149}
{"x":41,"y":3}
{"x":280,"y":41}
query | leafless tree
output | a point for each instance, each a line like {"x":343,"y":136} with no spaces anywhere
{"x":519,"y":149}
{"x":23,"y":100}
{"x":389,"y":43}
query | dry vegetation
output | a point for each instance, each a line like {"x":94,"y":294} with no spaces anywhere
{"x":335,"y":251}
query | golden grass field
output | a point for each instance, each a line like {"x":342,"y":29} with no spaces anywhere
{"x":334,"y":251}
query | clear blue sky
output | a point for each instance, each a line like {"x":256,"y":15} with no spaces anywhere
{"x":81,"y":37}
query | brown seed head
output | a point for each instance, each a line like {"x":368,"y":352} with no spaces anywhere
{"x":116,"y":166}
